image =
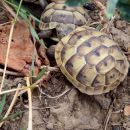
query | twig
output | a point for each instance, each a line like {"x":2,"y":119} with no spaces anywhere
{"x":7,"y":54}
{"x":37,"y":108}
{"x":11,"y":105}
{"x":107,"y":118}
{"x":12,"y":90}
{"x":49,"y":68}
{"x":109,"y":115}
{"x":94,"y":23}
{"x":9,"y":44}
{"x":11,"y":72}
{"x":30,"y":105}
{"x":58,"y":96}
{"x":40,"y":123}
{"x":126,"y":53}
{"x":108,"y":24}
{"x":6,"y":23}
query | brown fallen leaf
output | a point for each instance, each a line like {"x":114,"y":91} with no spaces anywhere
{"x":127,"y":110}
{"x":21,"y":50}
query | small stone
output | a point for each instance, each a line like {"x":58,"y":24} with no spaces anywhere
{"x":49,"y":126}
{"x":120,"y":24}
{"x":127,"y":110}
{"x":103,"y":101}
{"x":51,"y":51}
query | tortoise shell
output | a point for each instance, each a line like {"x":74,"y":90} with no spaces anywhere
{"x":91,"y":61}
{"x":63,"y":18}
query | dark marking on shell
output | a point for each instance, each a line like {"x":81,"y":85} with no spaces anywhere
{"x":105,"y":64}
{"x":87,"y":43}
{"x":96,"y":52}
{"x":79,"y":36}
{"x":69,"y":65}
{"x":96,"y":83}
{"x":112,"y":75}
{"x":75,"y":37}
{"x":59,"y":17}
{"x":81,"y":77}
{"x":79,"y":22}
{"x":99,"y":81}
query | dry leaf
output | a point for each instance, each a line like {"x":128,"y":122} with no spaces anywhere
{"x":22,"y":48}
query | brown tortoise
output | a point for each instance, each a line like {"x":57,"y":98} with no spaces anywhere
{"x":64,"y":19}
{"x":91,"y":61}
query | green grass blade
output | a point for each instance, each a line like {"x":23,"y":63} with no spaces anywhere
{"x":12,"y":116}
{"x":41,"y":73}
{"x":2,"y":103}
{"x":111,"y":6}
{"x":24,"y":14}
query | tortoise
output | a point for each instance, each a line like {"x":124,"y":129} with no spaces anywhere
{"x":91,"y":61}
{"x":61,"y":17}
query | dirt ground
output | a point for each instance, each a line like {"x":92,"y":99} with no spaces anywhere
{"x":57,"y":105}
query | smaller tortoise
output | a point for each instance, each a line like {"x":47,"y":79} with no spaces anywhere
{"x":64,"y":19}
{"x":91,"y":61}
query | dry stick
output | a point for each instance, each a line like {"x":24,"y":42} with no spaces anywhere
{"x":12,"y":90}
{"x":37,"y":108}
{"x":58,"y":96}
{"x":49,"y":68}
{"x":11,"y":105}
{"x":9,"y":44}
{"x":30,"y":105}
{"x":107,"y":118}
{"x":7,"y":54}
{"x":108,"y":115}
{"x":11,"y":72}
{"x":6,"y":23}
